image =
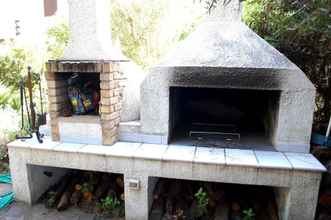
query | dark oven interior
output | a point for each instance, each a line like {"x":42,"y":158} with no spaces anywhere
{"x":223,"y":117}
{"x":82,"y":93}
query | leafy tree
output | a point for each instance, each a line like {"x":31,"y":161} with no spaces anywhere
{"x":134,"y":25}
{"x":12,"y":66}
{"x":57,"y":39}
{"x":302,"y":31}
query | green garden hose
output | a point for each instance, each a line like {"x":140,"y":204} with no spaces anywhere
{"x":7,"y":198}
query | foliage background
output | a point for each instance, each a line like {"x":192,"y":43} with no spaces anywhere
{"x":301,"y":29}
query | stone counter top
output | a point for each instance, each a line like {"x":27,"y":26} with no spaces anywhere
{"x":188,"y":154}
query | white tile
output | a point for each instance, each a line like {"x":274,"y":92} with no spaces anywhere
{"x":130,"y":137}
{"x":68,"y":147}
{"x":123,"y":149}
{"x":150,"y":151}
{"x":303,"y":161}
{"x":238,"y":157}
{"x":87,"y":133}
{"x":209,"y":155}
{"x":95,"y":149}
{"x":94,"y":130}
{"x":270,"y":159}
{"x":179,"y":153}
{"x":151,"y":139}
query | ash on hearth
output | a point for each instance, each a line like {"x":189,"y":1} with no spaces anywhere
{"x":92,"y":192}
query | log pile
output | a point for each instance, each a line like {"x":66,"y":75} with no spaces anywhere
{"x":324,"y":201}
{"x":92,"y":192}
{"x":181,"y":199}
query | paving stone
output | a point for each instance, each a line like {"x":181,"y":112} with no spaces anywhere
{"x":21,"y":211}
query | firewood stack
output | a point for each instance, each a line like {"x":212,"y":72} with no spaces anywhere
{"x":182,"y":199}
{"x":92,"y":192}
{"x":324,"y":201}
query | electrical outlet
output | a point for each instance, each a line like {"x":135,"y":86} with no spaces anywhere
{"x":134,"y":184}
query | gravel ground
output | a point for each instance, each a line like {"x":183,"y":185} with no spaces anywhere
{"x":21,"y":211}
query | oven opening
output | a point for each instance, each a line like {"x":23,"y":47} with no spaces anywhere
{"x":237,"y":118}
{"x":82,"y":94}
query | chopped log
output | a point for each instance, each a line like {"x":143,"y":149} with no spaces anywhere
{"x":102,"y":188}
{"x":122,"y":197}
{"x":175,"y":188}
{"x":181,"y":209}
{"x":66,"y":196}
{"x":169,"y":206}
{"x":87,"y":206}
{"x":235,"y":211}
{"x":120,"y":181}
{"x":215,"y":195}
{"x":64,"y":201}
{"x":159,"y":189}
{"x":272,"y":207}
{"x":157,"y":210}
{"x":87,"y":196}
{"x":193,"y":213}
{"x":222,"y":211}
{"x":56,"y":195}
{"x":211,"y":202}
{"x":189,"y":193}
{"x":76,"y":197}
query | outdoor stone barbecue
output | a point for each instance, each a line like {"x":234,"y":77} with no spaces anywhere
{"x":224,"y":106}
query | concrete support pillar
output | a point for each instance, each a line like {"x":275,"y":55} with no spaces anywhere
{"x":30,"y":181}
{"x":136,"y":199}
{"x":304,"y":195}
{"x":300,"y":200}
{"x":20,"y":174}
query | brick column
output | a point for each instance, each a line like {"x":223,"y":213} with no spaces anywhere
{"x":56,"y":98}
{"x":111,"y":88}
{"x":111,"y":97}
